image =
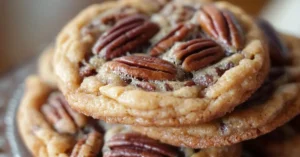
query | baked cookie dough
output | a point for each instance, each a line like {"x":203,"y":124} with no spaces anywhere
{"x":49,"y":127}
{"x":45,"y":66}
{"x":121,"y":141}
{"x":177,"y":65}
{"x":273,"y":104}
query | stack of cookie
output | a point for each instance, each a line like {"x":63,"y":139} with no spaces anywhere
{"x":164,"y":78}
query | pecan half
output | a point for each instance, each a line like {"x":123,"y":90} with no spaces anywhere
{"x":198,"y":53}
{"x":221,"y":25}
{"x":126,"y":35}
{"x":88,"y":146}
{"x":177,"y":34}
{"x":278,"y":51}
{"x":144,"y":68}
{"x":133,"y":144}
{"x":58,"y":112}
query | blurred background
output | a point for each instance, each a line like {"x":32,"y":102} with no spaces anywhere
{"x":27,"y":26}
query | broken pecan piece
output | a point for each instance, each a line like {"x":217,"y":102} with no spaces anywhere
{"x":177,"y":34}
{"x":118,"y":14}
{"x":221,"y":25}
{"x":133,"y":144}
{"x":89,"y":146}
{"x":279,"y":53}
{"x":112,"y":19}
{"x":109,"y":18}
{"x":58,"y":112}
{"x":144,"y":68}
{"x":204,"y":80}
{"x":86,"y":71}
{"x":146,"y":86}
{"x":198,"y":53}
{"x":221,"y":70}
{"x":126,"y":35}
{"x":178,"y":13}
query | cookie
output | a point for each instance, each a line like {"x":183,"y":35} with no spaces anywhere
{"x":49,"y":127}
{"x":121,"y":141}
{"x":176,"y":66}
{"x":275,"y":103}
{"x":45,"y":66}
{"x":284,"y":141}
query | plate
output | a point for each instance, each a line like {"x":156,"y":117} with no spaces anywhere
{"x":18,"y":149}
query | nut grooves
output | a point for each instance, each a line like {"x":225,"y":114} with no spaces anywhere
{"x":144,"y":68}
{"x":203,"y":36}
{"x":198,"y":53}
{"x":125,"y":36}
{"x":221,"y":25}
{"x":177,"y":34}
{"x":133,"y":144}
{"x":88,"y":146}
{"x":59,"y":114}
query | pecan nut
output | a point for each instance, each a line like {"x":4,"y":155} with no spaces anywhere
{"x":198,"y":53}
{"x":133,"y":144}
{"x":177,"y":34}
{"x":59,"y":114}
{"x":126,"y":35}
{"x":144,"y":68}
{"x":279,"y":53}
{"x":221,"y":25}
{"x":88,"y":146}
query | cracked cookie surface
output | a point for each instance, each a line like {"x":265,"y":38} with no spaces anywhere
{"x":49,"y":127}
{"x":180,"y":64}
{"x":272,"y":105}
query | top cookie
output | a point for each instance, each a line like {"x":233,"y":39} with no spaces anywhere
{"x":177,"y":65}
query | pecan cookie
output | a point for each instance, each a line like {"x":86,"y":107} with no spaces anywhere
{"x":45,"y":67}
{"x":180,"y":65}
{"x":274,"y":103}
{"x":49,"y":127}
{"x":284,"y":141}
{"x":121,"y":141}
